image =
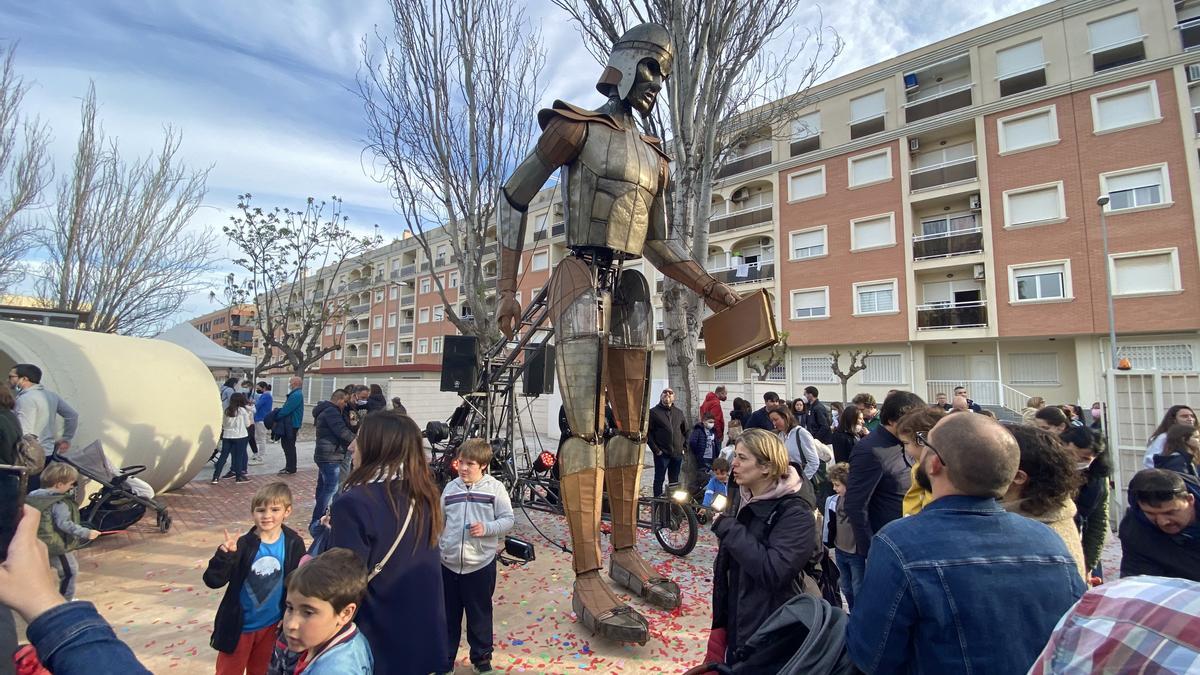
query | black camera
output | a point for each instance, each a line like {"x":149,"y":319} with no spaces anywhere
{"x":519,"y":549}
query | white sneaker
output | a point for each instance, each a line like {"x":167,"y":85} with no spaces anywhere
{"x":256,"y":458}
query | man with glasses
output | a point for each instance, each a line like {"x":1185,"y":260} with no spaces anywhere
{"x":963,"y":586}
{"x":1160,"y":535}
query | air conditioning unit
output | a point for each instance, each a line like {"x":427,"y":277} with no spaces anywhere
{"x":975,"y":203}
{"x":978,"y":271}
{"x":914,"y":145}
{"x":740,"y":195}
{"x":1193,"y":72}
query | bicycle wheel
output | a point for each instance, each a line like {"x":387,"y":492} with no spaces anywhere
{"x":675,"y":527}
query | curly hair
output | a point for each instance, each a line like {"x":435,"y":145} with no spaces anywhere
{"x":1049,"y":467}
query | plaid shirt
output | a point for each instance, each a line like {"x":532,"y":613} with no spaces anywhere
{"x":1137,"y":625}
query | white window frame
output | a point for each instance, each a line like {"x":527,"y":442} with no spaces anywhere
{"x":1002,"y":140}
{"x":895,"y":283}
{"x":1164,"y":188}
{"x":890,"y":215}
{"x":423,"y":315}
{"x":792,"y":303}
{"x":1068,"y":289}
{"x":377,"y":322}
{"x":826,"y":370}
{"x":454,"y":279}
{"x":329,"y":330}
{"x":425,"y":284}
{"x":850,"y":184}
{"x":328,"y":356}
{"x":1062,"y":205}
{"x":376,"y":350}
{"x":823,"y":229}
{"x":423,"y":346}
{"x":1041,"y":66}
{"x":435,"y":346}
{"x":800,"y":133}
{"x":378,"y":296}
{"x":881,"y":113}
{"x":391,"y":320}
{"x":1150,"y":85}
{"x":391,"y":350}
{"x":1047,"y":381}
{"x":337,"y":354}
{"x":544,"y":256}
{"x":1094,"y":49}
{"x":868,"y":378}
{"x":439,"y":313}
{"x":824,"y":188}
{"x":337,"y":329}
{"x":1176,"y":275}
{"x":394,"y":293}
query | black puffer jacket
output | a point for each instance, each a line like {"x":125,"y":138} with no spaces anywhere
{"x":762,"y":550}
{"x":231,"y":569}
{"x":333,"y":433}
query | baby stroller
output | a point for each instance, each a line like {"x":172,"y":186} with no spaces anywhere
{"x":121,"y":501}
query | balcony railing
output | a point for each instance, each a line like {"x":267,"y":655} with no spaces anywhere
{"x":407,"y":300}
{"x":943,"y":244}
{"x":395,"y":274}
{"x":425,"y":266}
{"x":442,"y":261}
{"x":941,"y":102}
{"x":406,"y":328}
{"x":360,"y":309}
{"x":489,"y":283}
{"x":740,"y":219}
{"x":745,"y":274}
{"x":557,"y":229}
{"x":955,"y":171}
{"x":745,"y":164}
{"x":405,"y":358}
{"x":356,"y":284}
{"x":952,"y":315}
{"x":355,"y":335}
{"x":540,"y":235}
{"x":872,"y":125}
{"x":803,"y":145}
{"x":354,"y":361}
{"x":408,"y":270}
{"x":1189,"y":33}
{"x":490,"y":249}
{"x":1019,"y":82}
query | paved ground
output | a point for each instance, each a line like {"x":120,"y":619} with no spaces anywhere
{"x":148,"y":585}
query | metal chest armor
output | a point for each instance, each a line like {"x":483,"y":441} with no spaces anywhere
{"x":609,"y":189}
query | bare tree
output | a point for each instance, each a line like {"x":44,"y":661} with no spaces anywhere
{"x":450,"y":93}
{"x":858,"y":362}
{"x":25,"y":172}
{"x":119,"y":245}
{"x":741,"y":66}
{"x":293,"y":259}
{"x":762,"y":362}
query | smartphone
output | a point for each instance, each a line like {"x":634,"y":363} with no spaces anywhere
{"x":13,"y":481}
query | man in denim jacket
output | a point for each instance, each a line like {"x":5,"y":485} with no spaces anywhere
{"x":963,"y":586}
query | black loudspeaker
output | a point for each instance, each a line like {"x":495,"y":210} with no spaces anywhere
{"x":460,"y":371}
{"x":539,"y":371}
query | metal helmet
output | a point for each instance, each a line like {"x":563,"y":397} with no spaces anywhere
{"x":643,"y":41}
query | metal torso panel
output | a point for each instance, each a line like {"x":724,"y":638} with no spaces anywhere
{"x":608,"y":191}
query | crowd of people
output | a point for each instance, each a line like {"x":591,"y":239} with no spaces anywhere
{"x":949,"y":531}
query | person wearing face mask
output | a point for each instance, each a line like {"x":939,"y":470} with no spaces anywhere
{"x":703,"y":443}
{"x":1091,"y":502}
{"x":1097,"y":413}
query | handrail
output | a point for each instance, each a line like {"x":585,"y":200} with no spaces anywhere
{"x":953,"y":162}
{"x":938,"y":93}
{"x":741,"y":211}
{"x":943,"y":235}
{"x":952,"y":305}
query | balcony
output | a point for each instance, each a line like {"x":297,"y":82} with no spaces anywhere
{"x":803,"y":145}
{"x":1019,"y":82}
{"x":558,"y":229}
{"x":867,"y":127}
{"x":490,"y":249}
{"x":408,"y":270}
{"x":425,"y":266}
{"x":1196,"y":119}
{"x":407,"y":300}
{"x":489,"y":283}
{"x":749,"y":273}
{"x":355,"y":310}
{"x":1189,"y":33}
{"x":944,"y":173}
{"x":950,"y":243}
{"x":405,"y":358}
{"x":356,"y":335}
{"x":354,"y":361}
{"x":406,"y":328}
{"x":938,"y":102}
{"x":740,"y":219}
{"x":356,"y":284}
{"x":940,"y":315}
{"x":540,"y":235}
{"x":395,"y":274}
{"x":744,"y":164}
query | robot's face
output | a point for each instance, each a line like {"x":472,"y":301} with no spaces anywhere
{"x":644,"y":93}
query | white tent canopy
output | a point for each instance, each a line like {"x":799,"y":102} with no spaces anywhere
{"x":212,"y":354}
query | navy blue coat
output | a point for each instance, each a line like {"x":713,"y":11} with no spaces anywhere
{"x":403,"y":615}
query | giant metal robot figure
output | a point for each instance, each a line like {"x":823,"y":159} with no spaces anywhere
{"x":613,"y":198}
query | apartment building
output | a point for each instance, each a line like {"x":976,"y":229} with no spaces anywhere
{"x":231,"y":327}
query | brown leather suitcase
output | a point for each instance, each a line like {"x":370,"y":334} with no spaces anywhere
{"x":740,"y":330}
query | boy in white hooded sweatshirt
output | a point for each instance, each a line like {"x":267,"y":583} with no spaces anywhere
{"x":478,"y":514}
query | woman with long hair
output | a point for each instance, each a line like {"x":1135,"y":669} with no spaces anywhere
{"x":376,"y":401}
{"x":1176,"y":414}
{"x":1181,"y":452}
{"x":1091,"y":503}
{"x":1033,"y":405}
{"x":801,"y":450}
{"x":235,"y":436}
{"x":1045,"y":486}
{"x":390,"y":514}
{"x":848,"y":431}
{"x":763,"y":545}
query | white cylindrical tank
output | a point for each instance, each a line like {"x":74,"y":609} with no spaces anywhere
{"x":148,"y":401}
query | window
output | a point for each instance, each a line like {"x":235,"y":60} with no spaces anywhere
{"x":392,"y":320}
{"x":391,"y":349}
{"x":1021,"y":68}
{"x":816,"y":369}
{"x":1033,"y":129}
{"x":329,"y":330}
{"x":439,"y":312}
{"x":867,"y":114}
{"x":872,"y":232}
{"x":875,"y":297}
{"x":378,"y":296}
{"x":337,"y":354}
{"x":806,"y":133}
{"x":1116,"y":41}
{"x":534,"y":293}
{"x":441,"y":254}
{"x":454,"y":280}
{"x":806,"y":184}
{"x":884,"y":369}
{"x":1032,"y":205}
{"x":425,"y":285}
{"x":541,"y":260}
{"x":1146,"y":272}
{"x":808,"y":243}
{"x":1034,"y":368}
{"x":377,"y":321}
{"x":376,"y":350}
{"x":1125,"y":107}
{"x":1043,"y":281}
{"x":437,"y":345}
{"x":423,"y":315}
{"x":873,"y":168}
{"x":338,"y":329}
{"x":1166,"y":357}
{"x":812,"y":303}
{"x":1136,"y":188}
{"x":328,"y":356}
{"x":423,"y":346}
{"x":393,"y":292}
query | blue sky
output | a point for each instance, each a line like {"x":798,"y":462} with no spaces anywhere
{"x":261,"y":90}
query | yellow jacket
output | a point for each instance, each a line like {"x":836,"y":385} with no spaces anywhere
{"x":916,"y":498}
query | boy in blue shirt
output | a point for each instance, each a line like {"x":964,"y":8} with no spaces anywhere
{"x":253,"y":567}
{"x":719,"y":483}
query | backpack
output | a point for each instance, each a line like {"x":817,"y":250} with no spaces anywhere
{"x":820,"y":577}
{"x":56,"y":543}
{"x":31,"y":454}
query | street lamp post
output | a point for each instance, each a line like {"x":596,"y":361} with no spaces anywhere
{"x":1102,"y":202}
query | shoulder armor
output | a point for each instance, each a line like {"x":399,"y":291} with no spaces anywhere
{"x":575,"y":114}
{"x":656,"y":143}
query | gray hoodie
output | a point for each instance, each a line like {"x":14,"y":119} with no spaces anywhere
{"x":484,"y":502}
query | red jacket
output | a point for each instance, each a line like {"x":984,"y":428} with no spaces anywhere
{"x":712,"y":406}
